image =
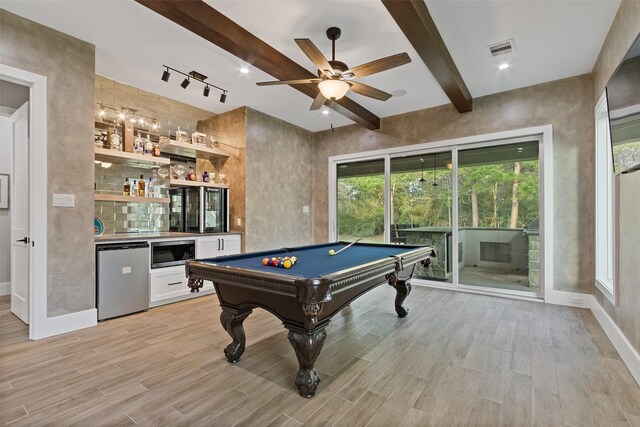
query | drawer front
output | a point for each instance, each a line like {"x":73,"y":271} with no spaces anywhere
{"x":168,"y":283}
{"x":230,"y":245}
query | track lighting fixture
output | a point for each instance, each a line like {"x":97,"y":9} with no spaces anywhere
{"x":194,"y":75}
{"x":165,"y":75}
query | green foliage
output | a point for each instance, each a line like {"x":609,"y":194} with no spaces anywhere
{"x":361,"y":199}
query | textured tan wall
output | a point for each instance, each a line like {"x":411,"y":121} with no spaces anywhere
{"x":169,"y":113}
{"x":566,"y":104}
{"x":230,"y":127}
{"x":279,"y":174}
{"x":624,"y":29}
{"x":69,"y":65}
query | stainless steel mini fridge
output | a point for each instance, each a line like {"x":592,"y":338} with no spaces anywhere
{"x":199,"y":210}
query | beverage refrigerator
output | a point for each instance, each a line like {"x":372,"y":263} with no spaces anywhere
{"x":199,"y":210}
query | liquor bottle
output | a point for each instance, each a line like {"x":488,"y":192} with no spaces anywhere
{"x":148,"y":147}
{"x":205,"y":176}
{"x":116,"y":143}
{"x":134,"y":188}
{"x":138,"y":147}
{"x":156,"y":149}
{"x":141,"y":186}
{"x":127,"y":187}
{"x":150,"y":188}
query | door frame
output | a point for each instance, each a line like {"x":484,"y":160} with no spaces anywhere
{"x":37,"y":194}
{"x":545,"y":135}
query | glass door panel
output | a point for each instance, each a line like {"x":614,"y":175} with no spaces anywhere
{"x":420,"y":196}
{"x":498,"y":217}
{"x":360,"y":201}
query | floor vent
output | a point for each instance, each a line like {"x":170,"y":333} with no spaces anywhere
{"x":501,"y":48}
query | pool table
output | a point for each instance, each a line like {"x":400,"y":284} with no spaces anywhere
{"x":305,"y":296}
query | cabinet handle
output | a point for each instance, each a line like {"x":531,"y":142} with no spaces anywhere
{"x":222,"y":244}
{"x":175,"y":283}
{"x":218,"y":244}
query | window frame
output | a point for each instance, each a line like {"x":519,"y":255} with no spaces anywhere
{"x":605,"y":205}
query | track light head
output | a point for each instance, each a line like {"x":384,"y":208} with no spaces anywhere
{"x":223,"y":97}
{"x":165,"y":75}
{"x":185,"y":83}
{"x":205,"y":92}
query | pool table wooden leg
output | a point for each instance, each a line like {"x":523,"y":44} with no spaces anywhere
{"x":231,"y":320}
{"x":307,"y":345}
{"x":403,"y":289}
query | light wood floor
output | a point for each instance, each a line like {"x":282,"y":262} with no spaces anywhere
{"x":458,"y":359}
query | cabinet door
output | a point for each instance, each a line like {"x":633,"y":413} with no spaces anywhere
{"x":231,"y":245}
{"x":168,"y":283}
{"x":208,"y":247}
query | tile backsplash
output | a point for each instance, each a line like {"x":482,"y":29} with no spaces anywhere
{"x":123,"y":217}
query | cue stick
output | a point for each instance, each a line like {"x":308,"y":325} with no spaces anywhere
{"x":348,"y":246}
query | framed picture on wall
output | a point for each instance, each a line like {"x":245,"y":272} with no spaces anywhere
{"x":4,"y":191}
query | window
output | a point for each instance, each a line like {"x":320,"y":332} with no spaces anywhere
{"x":604,"y":202}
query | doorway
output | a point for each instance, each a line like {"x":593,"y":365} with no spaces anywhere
{"x":14,"y":214}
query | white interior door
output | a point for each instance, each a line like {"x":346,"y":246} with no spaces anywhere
{"x":19,"y":203}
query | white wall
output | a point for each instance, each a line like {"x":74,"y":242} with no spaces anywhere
{"x":5,"y":219}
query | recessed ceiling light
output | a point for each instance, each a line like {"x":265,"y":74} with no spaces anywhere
{"x":503,"y":66}
{"x":325,"y":112}
{"x":244,"y":70}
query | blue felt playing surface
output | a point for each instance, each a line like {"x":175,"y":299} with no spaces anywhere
{"x":313,"y":261}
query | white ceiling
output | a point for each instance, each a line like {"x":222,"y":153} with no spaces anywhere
{"x":553,"y":40}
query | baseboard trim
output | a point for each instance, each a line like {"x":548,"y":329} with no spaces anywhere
{"x":629,"y":355}
{"x":5,"y":289}
{"x":570,"y":299}
{"x":50,"y":326}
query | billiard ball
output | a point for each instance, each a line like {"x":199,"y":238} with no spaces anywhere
{"x":286,"y":263}
{"x":332,"y":252}
{"x":265,"y":261}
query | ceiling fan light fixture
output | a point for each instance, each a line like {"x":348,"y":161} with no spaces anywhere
{"x":333,"y":89}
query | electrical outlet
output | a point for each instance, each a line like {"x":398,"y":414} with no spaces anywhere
{"x":238,"y":221}
{"x":64,"y":200}
{"x":305,"y":209}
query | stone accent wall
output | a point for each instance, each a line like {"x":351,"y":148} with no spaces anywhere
{"x":170,"y":114}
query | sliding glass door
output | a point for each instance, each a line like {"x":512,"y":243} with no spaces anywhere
{"x":478,"y":204}
{"x":360,"y":201}
{"x":499,"y":217}
{"x":420,"y":200}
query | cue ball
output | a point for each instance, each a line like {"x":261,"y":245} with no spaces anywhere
{"x":332,"y":252}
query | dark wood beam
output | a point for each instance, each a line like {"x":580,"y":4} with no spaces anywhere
{"x":416,"y":23}
{"x":205,"y":21}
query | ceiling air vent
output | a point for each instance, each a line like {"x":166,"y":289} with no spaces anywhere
{"x":501,"y":48}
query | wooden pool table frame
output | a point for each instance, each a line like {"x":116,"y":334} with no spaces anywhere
{"x":304,"y":305}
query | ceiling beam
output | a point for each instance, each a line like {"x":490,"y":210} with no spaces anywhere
{"x":205,"y":21}
{"x":416,"y":23}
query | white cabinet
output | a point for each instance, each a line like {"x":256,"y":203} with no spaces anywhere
{"x":169,"y":284}
{"x":213,"y":246}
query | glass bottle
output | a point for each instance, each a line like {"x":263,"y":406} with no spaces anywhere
{"x":156,"y":149}
{"x":116,"y":142}
{"x":205,"y":176}
{"x":148,"y":147}
{"x":138,"y":145}
{"x":127,"y":187}
{"x":141,"y":186}
{"x":191,"y":176}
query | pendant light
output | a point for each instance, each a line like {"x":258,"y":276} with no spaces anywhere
{"x":422,"y":170}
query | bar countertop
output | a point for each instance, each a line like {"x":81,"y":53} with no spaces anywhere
{"x":106,"y":238}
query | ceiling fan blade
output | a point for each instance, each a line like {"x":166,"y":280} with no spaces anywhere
{"x":381,"y":64}
{"x":289,"y":82}
{"x":369,"y":91}
{"x":315,"y":55}
{"x":318,"y":102}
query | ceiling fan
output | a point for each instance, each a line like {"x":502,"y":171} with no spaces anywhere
{"x":335,"y":77}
